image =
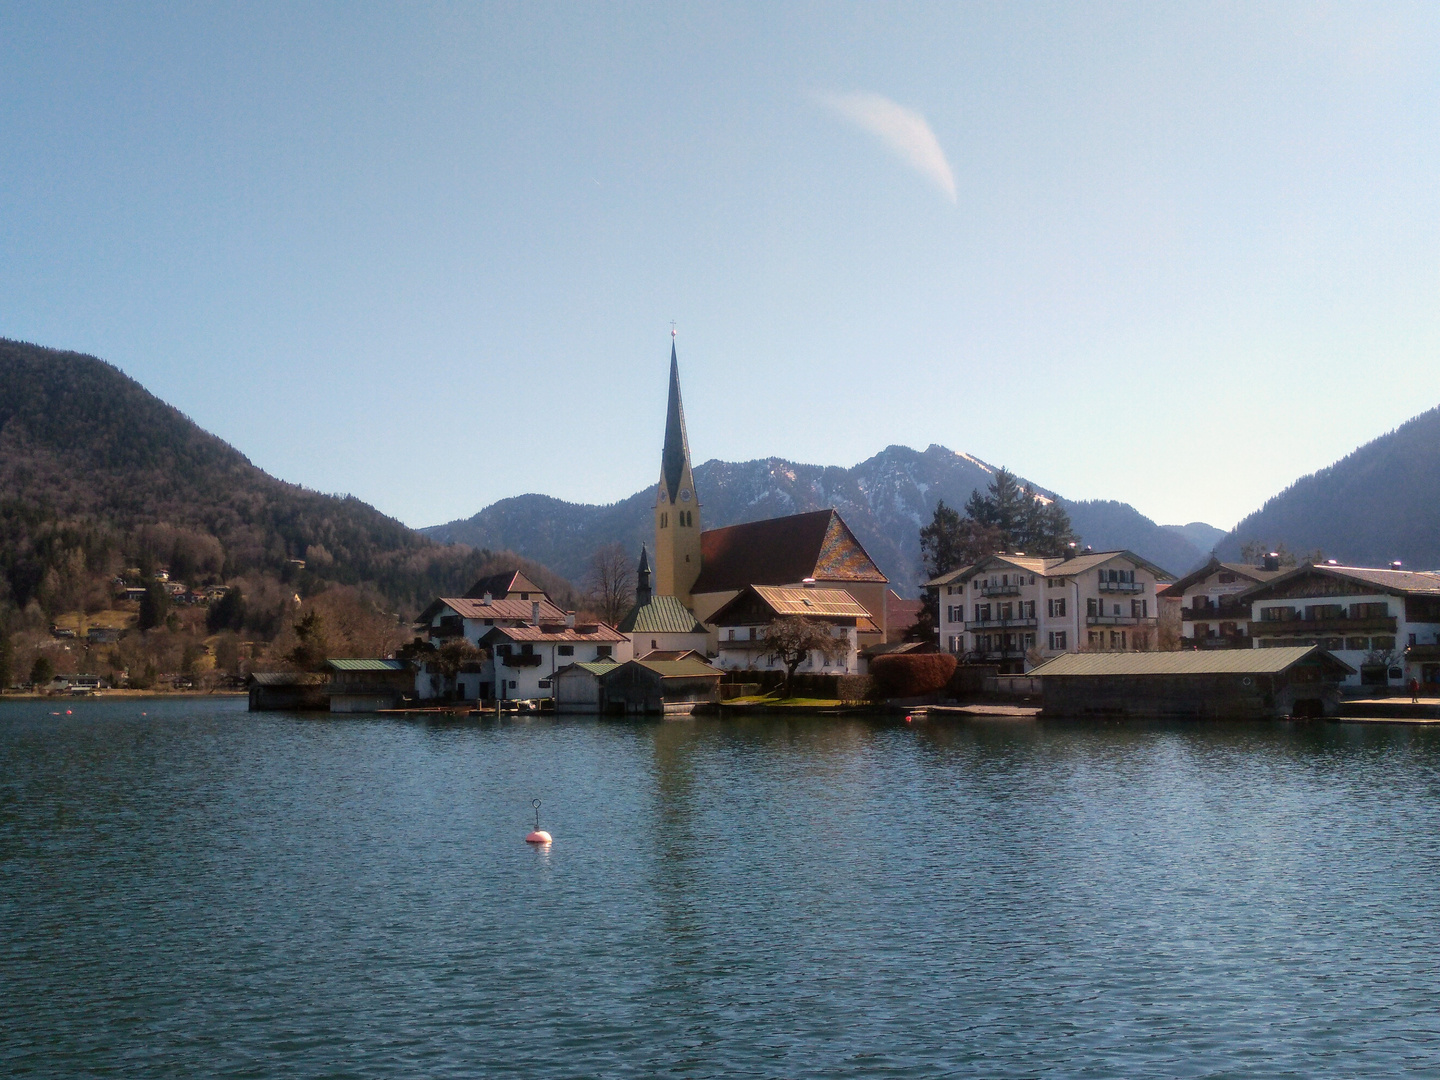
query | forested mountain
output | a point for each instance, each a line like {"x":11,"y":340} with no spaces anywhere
{"x":1378,"y":504}
{"x":885,"y":500}
{"x":97,"y":474}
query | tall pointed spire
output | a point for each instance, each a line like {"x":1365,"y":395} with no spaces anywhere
{"x":643,"y":592}
{"x":677,"y":445}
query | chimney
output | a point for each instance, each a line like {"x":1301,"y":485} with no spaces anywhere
{"x":1069,"y":551}
{"x":570,"y":620}
{"x":1395,"y":565}
{"x":1271,"y":561}
{"x":488,"y":598}
{"x":535,"y":612}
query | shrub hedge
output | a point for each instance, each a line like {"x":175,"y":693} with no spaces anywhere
{"x":911,"y":674}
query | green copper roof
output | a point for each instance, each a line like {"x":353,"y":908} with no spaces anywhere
{"x":661,"y":615}
{"x":597,"y":667}
{"x":368,"y":665}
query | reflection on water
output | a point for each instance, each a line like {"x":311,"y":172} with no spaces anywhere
{"x":200,"y":891}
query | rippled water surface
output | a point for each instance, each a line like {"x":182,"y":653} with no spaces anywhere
{"x":202,"y":891}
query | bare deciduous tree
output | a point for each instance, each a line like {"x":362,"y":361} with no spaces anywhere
{"x":610,"y":582}
{"x":793,"y":638}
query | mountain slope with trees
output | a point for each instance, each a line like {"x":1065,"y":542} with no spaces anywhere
{"x":1376,"y":505}
{"x":97,"y":474}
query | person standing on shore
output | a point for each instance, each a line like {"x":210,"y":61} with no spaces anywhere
{"x":1414,"y":690}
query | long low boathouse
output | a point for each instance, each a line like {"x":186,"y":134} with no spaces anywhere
{"x":1236,"y":684}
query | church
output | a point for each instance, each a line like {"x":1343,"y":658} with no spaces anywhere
{"x":700,"y":571}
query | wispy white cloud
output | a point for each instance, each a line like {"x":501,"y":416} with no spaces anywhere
{"x":904,"y":131}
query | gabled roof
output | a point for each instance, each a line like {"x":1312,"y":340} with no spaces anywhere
{"x":594,"y":667}
{"x":783,"y":551}
{"x":367,"y":665}
{"x":496,"y":609}
{"x":1190,"y":662}
{"x":672,"y":654}
{"x":660,"y":615}
{"x":818,"y":602}
{"x":947,"y":578}
{"x":1250,"y":573}
{"x":1394,"y":582}
{"x":601,"y":632}
{"x":674,"y":669}
{"x":498,"y":585}
{"x":286,"y":678}
{"x":1048,"y":566}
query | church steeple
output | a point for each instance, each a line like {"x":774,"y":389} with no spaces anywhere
{"x":643,"y":591}
{"x":677,"y":447}
{"x":677,"y":504}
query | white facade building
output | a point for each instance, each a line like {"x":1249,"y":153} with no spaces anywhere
{"x":1018,"y":610}
{"x":1380,"y":622}
{"x":1212,"y":613}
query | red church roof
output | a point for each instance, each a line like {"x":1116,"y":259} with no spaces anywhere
{"x":783,"y":551}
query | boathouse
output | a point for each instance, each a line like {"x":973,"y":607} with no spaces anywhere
{"x":659,"y":687}
{"x":279,"y":690}
{"x":1235,"y":684}
{"x":365,"y":685}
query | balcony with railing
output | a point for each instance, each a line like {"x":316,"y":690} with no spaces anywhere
{"x":1002,"y":624}
{"x":1122,"y":586}
{"x":447,"y":630}
{"x":1000,"y":590}
{"x":519,"y":660}
{"x":1217,"y":641}
{"x":1374,"y":624}
{"x":1120,"y":620}
{"x":1216,"y":613}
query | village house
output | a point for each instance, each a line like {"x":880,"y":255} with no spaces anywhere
{"x":1212,"y":615}
{"x":507,"y":600}
{"x":1017,"y":610}
{"x":1377,"y":621}
{"x":742,"y":621}
{"x":524,"y":659}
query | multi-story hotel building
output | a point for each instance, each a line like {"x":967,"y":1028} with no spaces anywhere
{"x":1018,"y":610}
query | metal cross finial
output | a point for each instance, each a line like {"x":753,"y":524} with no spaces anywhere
{"x":672,"y":328}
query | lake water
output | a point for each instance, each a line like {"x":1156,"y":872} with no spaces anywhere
{"x":204,"y":892}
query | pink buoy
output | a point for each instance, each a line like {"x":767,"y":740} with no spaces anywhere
{"x":538,"y":835}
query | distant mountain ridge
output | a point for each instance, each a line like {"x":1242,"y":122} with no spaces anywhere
{"x":884,"y":499}
{"x":1377,"y":504}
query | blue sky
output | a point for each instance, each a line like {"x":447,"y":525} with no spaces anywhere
{"x":429,"y":254}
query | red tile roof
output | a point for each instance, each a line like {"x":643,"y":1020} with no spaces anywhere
{"x":496,"y":609}
{"x":589,"y":632}
{"x":503,"y":583}
{"x":783,"y":551}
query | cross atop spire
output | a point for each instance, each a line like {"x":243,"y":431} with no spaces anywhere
{"x":677,"y":445}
